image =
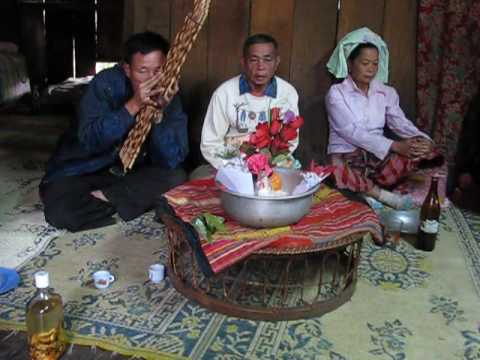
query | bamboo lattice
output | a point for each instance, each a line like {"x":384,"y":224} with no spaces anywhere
{"x":167,"y":83}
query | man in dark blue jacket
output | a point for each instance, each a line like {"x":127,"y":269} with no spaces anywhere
{"x":84,"y":184}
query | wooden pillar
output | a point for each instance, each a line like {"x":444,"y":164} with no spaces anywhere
{"x":33,"y":44}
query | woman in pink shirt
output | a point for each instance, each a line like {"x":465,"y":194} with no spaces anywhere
{"x":359,"y":108}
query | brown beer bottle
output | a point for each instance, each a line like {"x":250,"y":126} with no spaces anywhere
{"x":429,"y":218}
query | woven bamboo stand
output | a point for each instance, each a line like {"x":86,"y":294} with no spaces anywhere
{"x":269,"y":285}
{"x":167,"y":84}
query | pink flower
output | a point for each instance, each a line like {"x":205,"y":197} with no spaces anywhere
{"x":258,"y":163}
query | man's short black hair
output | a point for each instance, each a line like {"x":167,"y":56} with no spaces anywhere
{"x":259,"y":39}
{"x":356,"y":52}
{"x":144,"y":43}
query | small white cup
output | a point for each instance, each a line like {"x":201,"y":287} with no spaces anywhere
{"x":102,"y":279}
{"x":156,"y":273}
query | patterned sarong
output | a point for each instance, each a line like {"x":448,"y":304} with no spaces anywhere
{"x":360,"y":170}
{"x":332,"y":217}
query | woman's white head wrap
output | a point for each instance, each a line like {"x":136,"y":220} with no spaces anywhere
{"x":337,"y":65}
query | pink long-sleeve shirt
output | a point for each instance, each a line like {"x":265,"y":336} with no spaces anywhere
{"x":358,"y":120}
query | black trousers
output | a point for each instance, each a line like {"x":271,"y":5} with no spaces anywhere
{"x":69,"y":205}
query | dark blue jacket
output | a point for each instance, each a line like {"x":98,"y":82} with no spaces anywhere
{"x":94,"y":141}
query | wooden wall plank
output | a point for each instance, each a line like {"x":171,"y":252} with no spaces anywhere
{"x":227,"y":29}
{"x":194,"y":78}
{"x":110,"y":29}
{"x":153,"y":15}
{"x":358,"y":13}
{"x":400,"y":34}
{"x":307,"y":31}
{"x":313,"y":42}
{"x":275,"y":18}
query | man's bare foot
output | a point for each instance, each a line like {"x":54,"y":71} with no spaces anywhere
{"x":99,"y":195}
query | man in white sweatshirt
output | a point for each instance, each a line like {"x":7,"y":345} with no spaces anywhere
{"x":240,"y":103}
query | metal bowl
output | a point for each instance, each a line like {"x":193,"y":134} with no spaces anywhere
{"x":270,"y":211}
{"x":407,"y":221}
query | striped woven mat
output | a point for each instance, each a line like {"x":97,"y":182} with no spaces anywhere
{"x":332,"y":217}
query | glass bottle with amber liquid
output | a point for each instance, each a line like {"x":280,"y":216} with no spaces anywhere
{"x":429,"y":218}
{"x":45,"y":321}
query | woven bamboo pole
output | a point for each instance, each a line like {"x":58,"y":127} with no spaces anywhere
{"x":167,"y":83}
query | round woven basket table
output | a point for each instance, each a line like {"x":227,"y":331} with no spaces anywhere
{"x":271,"y":284}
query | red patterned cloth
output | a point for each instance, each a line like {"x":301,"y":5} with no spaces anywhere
{"x":448,"y":49}
{"x":332,"y":217}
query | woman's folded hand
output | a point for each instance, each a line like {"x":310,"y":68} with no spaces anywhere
{"x":421,"y":148}
{"x":402,"y":147}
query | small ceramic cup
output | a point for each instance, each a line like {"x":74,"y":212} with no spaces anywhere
{"x":156,"y":273}
{"x":102,"y":279}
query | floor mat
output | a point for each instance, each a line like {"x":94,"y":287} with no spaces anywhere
{"x":24,"y":232}
{"x":408,"y":304}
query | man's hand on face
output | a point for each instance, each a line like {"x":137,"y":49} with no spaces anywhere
{"x":144,"y":73}
{"x":146,"y":94}
{"x":143,"y":95}
{"x":161,"y":101}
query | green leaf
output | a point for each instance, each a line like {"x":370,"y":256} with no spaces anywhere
{"x":214,"y":223}
{"x":266,"y":152}
{"x":247,"y":148}
{"x":208,"y":224}
{"x":199,"y":224}
{"x":279,"y":158}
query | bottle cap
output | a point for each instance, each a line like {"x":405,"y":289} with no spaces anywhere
{"x":41,"y":279}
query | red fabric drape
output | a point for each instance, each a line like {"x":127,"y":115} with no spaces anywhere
{"x":447,"y":54}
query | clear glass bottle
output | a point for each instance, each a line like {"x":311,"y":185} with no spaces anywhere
{"x":429,"y":218}
{"x":45,"y":321}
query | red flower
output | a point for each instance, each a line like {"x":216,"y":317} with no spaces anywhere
{"x":275,"y":121}
{"x":273,"y":138}
{"x":275,"y":127}
{"x":288,"y":133}
{"x":261,"y":137}
{"x":297,"y":123}
{"x":263,"y":143}
{"x":278,"y":146}
{"x":275,"y":114}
